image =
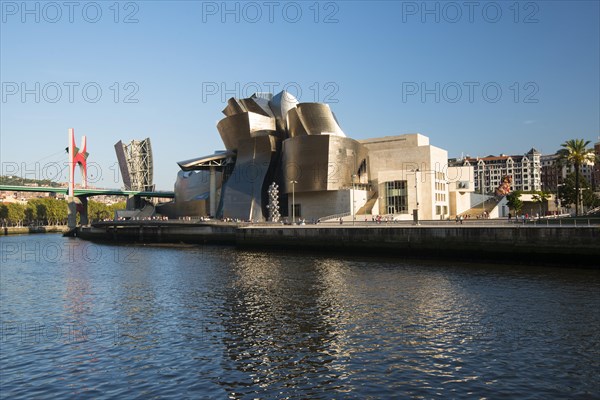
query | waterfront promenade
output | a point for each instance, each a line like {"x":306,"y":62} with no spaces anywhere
{"x":22,"y":230}
{"x":476,"y":239}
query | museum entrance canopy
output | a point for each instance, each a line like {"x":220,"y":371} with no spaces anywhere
{"x":219,"y":159}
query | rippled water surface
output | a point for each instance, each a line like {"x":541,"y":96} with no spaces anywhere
{"x":85,"y":320}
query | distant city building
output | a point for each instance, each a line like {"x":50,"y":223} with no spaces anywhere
{"x":525,"y":171}
{"x":12,"y":196}
{"x":109,"y":199}
{"x":554,"y":172}
{"x":596,"y":175}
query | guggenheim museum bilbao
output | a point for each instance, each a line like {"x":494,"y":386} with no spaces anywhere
{"x":320,"y":173}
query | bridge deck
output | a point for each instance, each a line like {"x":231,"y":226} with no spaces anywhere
{"x":86,"y":192}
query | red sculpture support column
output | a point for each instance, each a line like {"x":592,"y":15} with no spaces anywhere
{"x":77,"y":156}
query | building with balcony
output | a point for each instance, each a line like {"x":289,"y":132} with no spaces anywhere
{"x":525,"y":171}
{"x":554,"y":172}
{"x":596,"y":173}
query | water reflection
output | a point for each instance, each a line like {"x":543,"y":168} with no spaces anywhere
{"x":208,"y":321}
{"x":78,"y":294}
{"x":282,"y":322}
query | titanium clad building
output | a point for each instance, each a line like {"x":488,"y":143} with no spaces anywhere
{"x":321,"y":172}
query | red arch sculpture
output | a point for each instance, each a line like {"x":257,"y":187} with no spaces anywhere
{"x":77,"y":156}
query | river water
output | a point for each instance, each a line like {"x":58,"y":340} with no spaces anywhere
{"x":84,"y":320}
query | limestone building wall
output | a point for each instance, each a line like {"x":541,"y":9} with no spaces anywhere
{"x":315,"y":205}
{"x":397,"y":158}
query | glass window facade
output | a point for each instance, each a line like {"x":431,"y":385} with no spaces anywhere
{"x":396,"y":197}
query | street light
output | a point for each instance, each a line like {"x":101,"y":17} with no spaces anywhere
{"x":293,"y":202}
{"x":557,"y":201}
{"x":580,"y":199}
{"x":352,"y":198}
{"x":416,"y":215}
{"x":481,"y":179}
{"x":352,"y":176}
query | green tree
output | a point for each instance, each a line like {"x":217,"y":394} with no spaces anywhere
{"x":567,"y":193}
{"x":576,"y":153}
{"x":41,"y":210}
{"x":52,"y":211}
{"x":122,"y":205}
{"x":16,"y":213}
{"x":590,"y":199}
{"x":48,"y":210}
{"x":3,"y":213}
{"x":98,"y":211}
{"x":62,"y":211}
{"x":514,"y":201}
{"x":31,"y":212}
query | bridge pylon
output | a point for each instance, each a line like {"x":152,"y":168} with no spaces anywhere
{"x":77,"y":156}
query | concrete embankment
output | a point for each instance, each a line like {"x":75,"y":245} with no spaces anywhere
{"x":160,"y":232}
{"x":501,"y":243}
{"x":506,"y":244}
{"x":21,"y":230}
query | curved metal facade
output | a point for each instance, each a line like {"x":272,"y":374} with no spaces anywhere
{"x":317,"y":119}
{"x":258,"y":105}
{"x":238,"y":127}
{"x":295,"y":127}
{"x":281,"y":103}
{"x":322,"y":163}
{"x":244,"y":192}
{"x":274,"y":139}
{"x":193,"y":185}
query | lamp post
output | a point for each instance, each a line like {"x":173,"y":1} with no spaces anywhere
{"x":293,"y":202}
{"x":417,"y":193}
{"x":557,"y":202}
{"x":580,"y":199}
{"x":416,"y":215}
{"x":352,"y":176}
{"x":352,"y":199}
{"x":481,"y":179}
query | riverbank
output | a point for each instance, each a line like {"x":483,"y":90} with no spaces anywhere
{"x":501,"y":243}
{"x":160,"y":232}
{"x":24,"y":230}
{"x":496,"y":243}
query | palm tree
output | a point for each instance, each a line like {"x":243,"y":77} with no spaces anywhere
{"x":575,"y":153}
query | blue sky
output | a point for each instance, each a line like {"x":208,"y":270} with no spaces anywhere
{"x":500,"y":77}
